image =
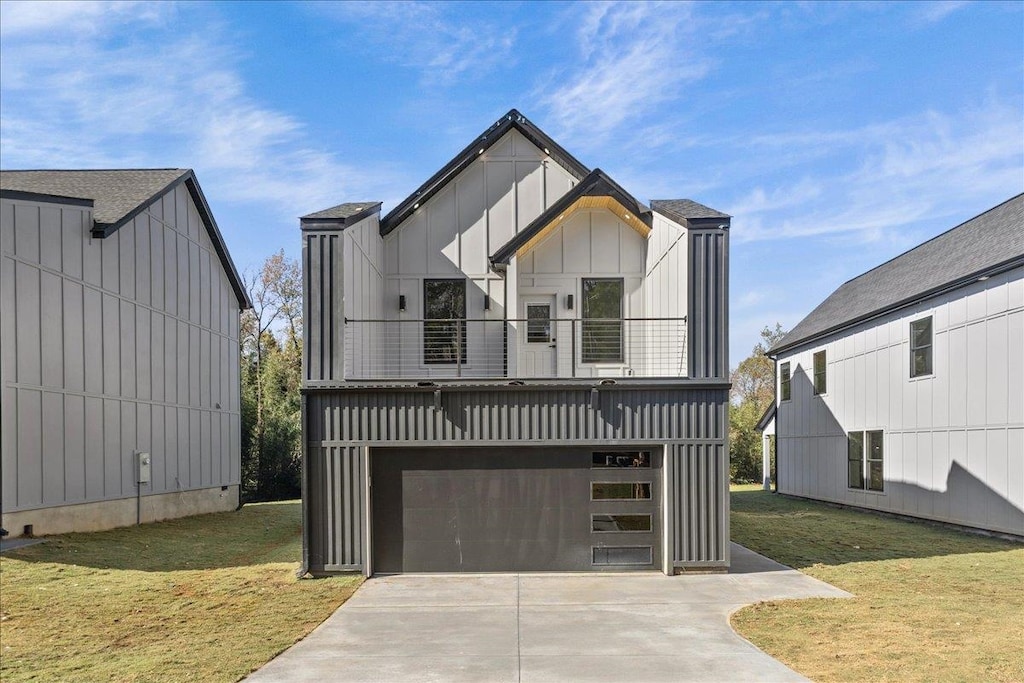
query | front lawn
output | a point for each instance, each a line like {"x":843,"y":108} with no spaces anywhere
{"x":206,"y":598}
{"x":932,"y":604}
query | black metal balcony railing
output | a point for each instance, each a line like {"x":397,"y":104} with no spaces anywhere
{"x":520,"y":348}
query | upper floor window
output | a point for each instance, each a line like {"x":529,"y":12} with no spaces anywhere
{"x":921,"y":347}
{"x":820,"y":364}
{"x":444,"y":328}
{"x":602,"y":320}
{"x":784,"y":382}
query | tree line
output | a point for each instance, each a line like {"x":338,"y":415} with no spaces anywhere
{"x":271,"y":373}
{"x":753,"y":390}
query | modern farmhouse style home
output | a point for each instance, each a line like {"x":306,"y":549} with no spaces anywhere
{"x":518,"y":367}
{"x":904,"y":390}
{"x":119,"y":323}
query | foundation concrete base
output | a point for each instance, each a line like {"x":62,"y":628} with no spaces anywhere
{"x":110,"y":514}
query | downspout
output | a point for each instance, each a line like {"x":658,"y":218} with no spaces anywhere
{"x":304,"y":492}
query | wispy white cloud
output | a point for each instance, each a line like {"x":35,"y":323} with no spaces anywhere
{"x":933,"y":12}
{"x":633,"y":58}
{"x":158,"y":95}
{"x":426,"y":36}
{"x":889,"y":175}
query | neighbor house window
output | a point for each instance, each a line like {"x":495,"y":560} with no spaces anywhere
{"x":864,"y":460}
{"x":921,"y":347}
{"x":820,"y":364}
{"x":602,"y":320}
{"x":444,"y":327}
{"x":784,"y":382}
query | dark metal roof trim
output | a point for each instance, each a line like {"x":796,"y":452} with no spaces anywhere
{"x":596,"y":184}
{"x":218,"y":239}
{"x":42,"y":197}
{"x":513,"y":119}
{"x":1010,"y":264}
{"x":766,"y":418}
{"x":315,"y":222}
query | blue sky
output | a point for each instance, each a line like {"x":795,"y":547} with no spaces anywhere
{"x":837,"y":134}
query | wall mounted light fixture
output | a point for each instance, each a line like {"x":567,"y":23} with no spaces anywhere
{"x":487,"y":302}
{"x":568,"y":301}
{"x":401,"y":302}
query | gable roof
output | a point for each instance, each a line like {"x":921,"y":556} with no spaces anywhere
{"x":596,"y":184}
{"x":986,"y":244}
{"x":685,"y":210}
{"x":513,"y":119}
{"x":118,"y":196}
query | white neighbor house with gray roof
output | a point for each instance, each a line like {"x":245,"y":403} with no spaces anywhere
{"x":904,"y":390}
{"x":119,"y":381}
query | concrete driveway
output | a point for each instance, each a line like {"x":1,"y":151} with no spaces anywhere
{"x":548,"y":627}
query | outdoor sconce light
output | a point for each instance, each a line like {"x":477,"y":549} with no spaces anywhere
{"x":487,"y":302}
{"x":595,"y":399}
{"x":401,"y":302}
{"x":568,"y":301}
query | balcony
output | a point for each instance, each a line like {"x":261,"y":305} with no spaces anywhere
{"x":536,"y":348}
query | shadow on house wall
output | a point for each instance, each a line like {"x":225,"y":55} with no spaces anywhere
{"x":815,"y":466}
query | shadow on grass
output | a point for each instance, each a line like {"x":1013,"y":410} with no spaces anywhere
{"x":801,"y":533}
{"x":259,"y":533}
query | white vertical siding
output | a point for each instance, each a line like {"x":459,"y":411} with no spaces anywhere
{"x":954,"y":441}
{"x":112,"y":346}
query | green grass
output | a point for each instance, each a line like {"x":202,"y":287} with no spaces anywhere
{"x":932,"y":604}
{"x":206,"y":598}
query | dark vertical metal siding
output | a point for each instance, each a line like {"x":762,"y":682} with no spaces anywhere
{"x":343,"y":417}
{"x":336,"y":508}
{"x":693,"y":422}
{"x":708,"y":315}
{"x":698,"y":488}
{"x":323,"y":303}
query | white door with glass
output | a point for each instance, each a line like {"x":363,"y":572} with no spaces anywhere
{"x":538,"y":341}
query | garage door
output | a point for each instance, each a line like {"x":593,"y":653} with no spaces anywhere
{"x":515,"y":509}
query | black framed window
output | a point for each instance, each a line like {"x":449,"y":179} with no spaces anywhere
{"x":444,"y":327}
{"x":874,"y":454}
{"x":785,"y":386}
{"x":602,"y":320}
{"x":865,"y":460}
{"x":820,"y":365}
{"x":855,"y":460}
{"x":921,"y":347}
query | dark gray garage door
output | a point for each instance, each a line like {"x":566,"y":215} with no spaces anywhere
{"x":515,"y":509}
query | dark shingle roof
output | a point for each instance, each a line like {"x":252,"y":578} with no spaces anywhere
{"x":989,"y":242}
{"x":120,"y":195}
{"x":115,"y":193}
{"x":342,"y":214}
{"x":685,"y":209}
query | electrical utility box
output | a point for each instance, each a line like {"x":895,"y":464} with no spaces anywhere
{"x":145,"y":468}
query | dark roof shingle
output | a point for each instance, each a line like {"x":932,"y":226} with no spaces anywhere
{"x":115,"y":193}
{"x":685,"y":209}
{"x":346,"y":213}
{"x":985,"y":242}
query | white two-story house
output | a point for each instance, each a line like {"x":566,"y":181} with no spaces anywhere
{"x":519,"y":367}
{"x":903,"y":391}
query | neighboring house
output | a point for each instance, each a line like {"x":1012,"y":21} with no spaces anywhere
{"x":519,"y":367}
{"x":119,"y":314}
{"x":904,"y":390}
{"x":766,"y":427}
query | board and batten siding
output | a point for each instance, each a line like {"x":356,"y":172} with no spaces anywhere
{"x":953,"y":440}
{"x":690,"y":422}
{"x":113,"y":346}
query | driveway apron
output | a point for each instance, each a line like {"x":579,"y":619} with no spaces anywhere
{"x":494,"y":628}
